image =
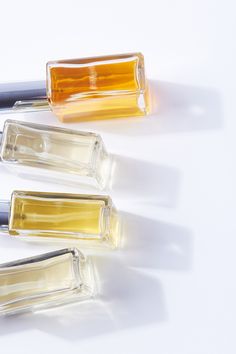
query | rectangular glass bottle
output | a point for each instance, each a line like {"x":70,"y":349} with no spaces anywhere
{"x":91,"y":220}
{"x":44,"y":281}
{"x":97,"y":88}
{"x":55,"y":154}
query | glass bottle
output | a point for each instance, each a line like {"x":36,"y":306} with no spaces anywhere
{"x":44,"y":281}
{"x":91,"y":220}
{"x":86,"y":89}
{"x":71,"y":156}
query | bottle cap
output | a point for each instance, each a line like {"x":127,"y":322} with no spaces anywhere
{"x":4,"y":214}
{"x":21,"y":94}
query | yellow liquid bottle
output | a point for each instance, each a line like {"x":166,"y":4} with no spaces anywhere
{"x":89,"y":219}
{"x":44,"y":281}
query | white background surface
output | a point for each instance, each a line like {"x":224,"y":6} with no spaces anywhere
{"x":171,"y":289}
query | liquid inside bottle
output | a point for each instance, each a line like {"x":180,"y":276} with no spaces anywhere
{"x":91,"y":219}
{"x":97,"y":88}
{"x":72,"y":155}
{"x":43,"y":281}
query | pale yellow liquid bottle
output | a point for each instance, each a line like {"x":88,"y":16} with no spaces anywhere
{"x":44,"y":281}
{"x":89,"y":219}
{"x":55,"y":154}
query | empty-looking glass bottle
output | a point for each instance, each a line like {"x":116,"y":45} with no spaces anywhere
{"x":56,"y":154}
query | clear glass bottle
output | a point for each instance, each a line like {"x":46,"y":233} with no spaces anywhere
{"x":86,"y":89}
{"x":44,"y":281}
{"x":91,"y":220}
{"x":71,"y":157}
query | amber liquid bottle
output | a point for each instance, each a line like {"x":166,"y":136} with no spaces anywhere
{"x":102,"y":87}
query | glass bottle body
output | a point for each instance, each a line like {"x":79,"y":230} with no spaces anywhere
{"x":97,"y":88}
{"x":88,"y":219}
{"x":45,"y":281}
{"x":72,"y":157}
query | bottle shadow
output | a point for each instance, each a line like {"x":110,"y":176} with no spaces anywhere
{"x":155,"y":244}
{"x":175,"y":108}
{"x":131,"y":178}
{"x":129,"y":299}
{"x":144,"y":181}
{"x":130,"y":295}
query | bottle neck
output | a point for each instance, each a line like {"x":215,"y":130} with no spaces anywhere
{"x":23,"y":96}
{"x":4,"y":214}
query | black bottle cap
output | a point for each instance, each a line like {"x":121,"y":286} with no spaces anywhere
{"x":10,"y":93}
{"x":4,"y":214}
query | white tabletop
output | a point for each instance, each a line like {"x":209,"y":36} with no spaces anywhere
{"x":171,"y":289}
